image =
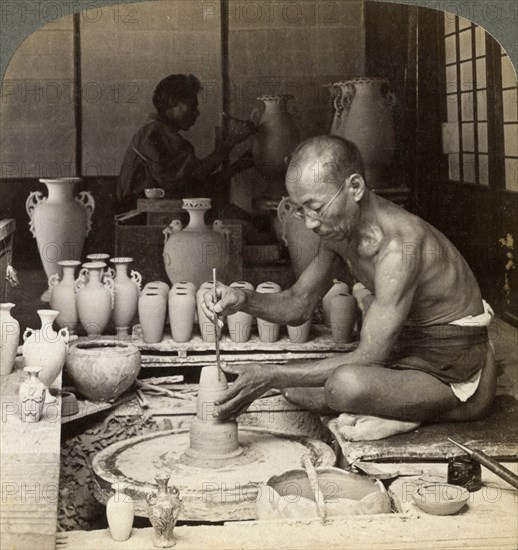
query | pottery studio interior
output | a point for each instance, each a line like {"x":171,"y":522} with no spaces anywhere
{"x":230,"y":232}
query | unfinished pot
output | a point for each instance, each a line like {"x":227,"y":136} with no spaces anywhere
{"x":182,"y":306}
{"x":240,"y":323}
{"x":152,"y":313}
{"x":120,"y":513}
{"x":338,"y":287}
{"x":206,"y":324}
{"x":268,"y":331}
{"x":276,"y":138}
{"x":299,"y":334}
{"x":95,"y":299}
{"x":63,"y":295}
{"x":363,"y":115}
{"x":9,"y":338}
{"x":190,"y":254}
{"x":102,"y":370}
{"x":45,"y":348}
{"x":126,"y":290}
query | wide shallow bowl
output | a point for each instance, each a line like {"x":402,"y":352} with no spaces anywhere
{"x":441,"y":499}
{"x":291,"y":495}
{"x":104,"y":369}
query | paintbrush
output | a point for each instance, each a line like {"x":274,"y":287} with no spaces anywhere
{"x":490,"y":463}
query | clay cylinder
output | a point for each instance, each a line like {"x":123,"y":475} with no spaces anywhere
{"x":209,"y":437}
{"x":152,"y":310}
{"x":240,"y":323}
{"x":206,"y":324}
{"x":343,"y":317}
{"x":182,"y":306}
{"x":268,"y":332}
{"x":337,"y":288}
{"x":157,"y":286}
{"x":300,"y":333}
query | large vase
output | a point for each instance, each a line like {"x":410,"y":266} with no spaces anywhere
{"x":302,"y":242}
{"x":276,"y":138}
{"x":45,"y":348}
{"x":9,"y":338}
{"x":190,"y":254}
{"x":63,"y":295}
{"x":163,"y":510}
{"x":363,"y":115}
{"x":127,"y":290}
{"x":59,"y":222}
{"x":95,"y":299}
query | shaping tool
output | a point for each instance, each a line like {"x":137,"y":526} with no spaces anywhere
{"x":215,"y":319}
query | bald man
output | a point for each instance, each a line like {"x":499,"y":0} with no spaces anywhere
{"x":423,"y":354}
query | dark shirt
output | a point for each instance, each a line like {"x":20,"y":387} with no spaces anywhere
{"x":158,"y":156}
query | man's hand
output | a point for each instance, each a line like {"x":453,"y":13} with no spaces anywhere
{"x":253,"y":381}
{"x":238,"y":130}
{"x":228,"y":301}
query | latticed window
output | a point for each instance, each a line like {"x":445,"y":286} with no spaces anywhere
{"x":480,"y":132}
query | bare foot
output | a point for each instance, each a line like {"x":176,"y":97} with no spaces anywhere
{"x":355,"y":427}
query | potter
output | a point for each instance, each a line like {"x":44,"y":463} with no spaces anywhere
{"x":401,"y":374}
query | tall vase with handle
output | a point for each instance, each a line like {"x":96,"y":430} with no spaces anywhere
{"x":190,"y":254}
{"x":363,"y":115}
{"x":45,"y":348}
{"x":275,"y":139}
{"x":95,"y":299}
{"x":127,"y":291}
{"x":9,"y":338}
{"x":59,"y":222}
{"x":63,"y":295}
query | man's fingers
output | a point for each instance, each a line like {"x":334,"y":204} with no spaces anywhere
{"x":233,"y":369}
{"x":232,"y":392}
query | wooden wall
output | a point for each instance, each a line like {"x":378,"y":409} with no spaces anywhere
{"x":117,"y":59}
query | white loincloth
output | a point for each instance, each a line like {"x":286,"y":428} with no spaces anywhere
{"x":464,"y":390}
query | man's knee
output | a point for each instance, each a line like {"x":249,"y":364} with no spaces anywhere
{"x":345,"y":390}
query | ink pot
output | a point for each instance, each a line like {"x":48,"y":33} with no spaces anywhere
{"x":465,"y":472}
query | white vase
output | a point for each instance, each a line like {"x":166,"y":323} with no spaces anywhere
{"x":190,"y":254}
{"x":63,"y":295}
{"x":127,"y":291}
{"x":45,"y":348}
{"x":59,"y":222}
{"x":120,"y":513}
{"x":95,"y":299}
{"x":9,"y":338}
{"x":337,"y":288}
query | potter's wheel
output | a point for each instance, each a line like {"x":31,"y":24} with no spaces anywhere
{"x":209,"y":493}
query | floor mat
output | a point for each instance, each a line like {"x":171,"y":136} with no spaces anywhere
{"x":496,"y":435}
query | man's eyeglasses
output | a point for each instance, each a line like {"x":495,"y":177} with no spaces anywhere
{"x":302,"y":212}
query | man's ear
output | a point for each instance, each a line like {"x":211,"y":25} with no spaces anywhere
{"x":357,"y":186}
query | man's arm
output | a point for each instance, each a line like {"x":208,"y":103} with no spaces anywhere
{"x":396,"y":278}
{"x":292,"y":306}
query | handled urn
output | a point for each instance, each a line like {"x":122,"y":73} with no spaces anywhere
{"x":59,"y":222}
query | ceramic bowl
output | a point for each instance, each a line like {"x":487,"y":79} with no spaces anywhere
{"x":441,"y":499}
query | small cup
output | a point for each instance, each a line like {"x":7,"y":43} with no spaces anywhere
{"x":154,"y":193}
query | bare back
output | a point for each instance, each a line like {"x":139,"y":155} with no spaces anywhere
{"x":446,"y":288}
